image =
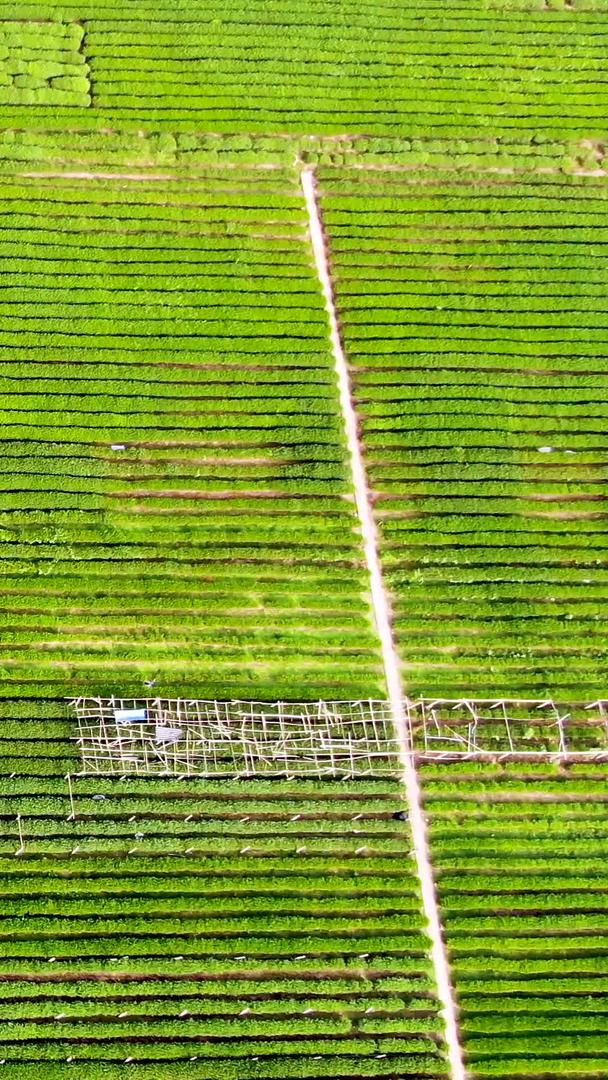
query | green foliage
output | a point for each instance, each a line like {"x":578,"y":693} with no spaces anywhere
{"x":177,"y":405}
{"x":521,"y":880}
{"x":482,"y":396}
{"x":41,"y":63}
{"x":269,"y":945}
{"x":241,"y":931}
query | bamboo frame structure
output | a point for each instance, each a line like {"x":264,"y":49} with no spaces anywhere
{"x":192,"y":737}
{"x":243,"y":738}
{"x":507,"y":729}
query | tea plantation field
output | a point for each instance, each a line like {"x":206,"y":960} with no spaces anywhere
{"x":175,"y":502}
{"x":181,"y":514}
{"x":520,"y":859}
{"x":474,"y":316}
{"x":378,"y":67}
{"x":226,"y":929}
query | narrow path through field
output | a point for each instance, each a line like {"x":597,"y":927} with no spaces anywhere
{"x":382,"y":616}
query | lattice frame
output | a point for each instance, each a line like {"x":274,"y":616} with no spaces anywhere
{"x":192,"y":737}
{"x":241,"y":738}
{"x":507,"y":728}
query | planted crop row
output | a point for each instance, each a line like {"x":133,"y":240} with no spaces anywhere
{"x":260,"y":947}
{"x":313,"y":68}
{"x":177,"y":434}
{"x":482,"y":404}
{"x":523,"y":905}
{"x":42,"y":63}
{"x":389,"y":62}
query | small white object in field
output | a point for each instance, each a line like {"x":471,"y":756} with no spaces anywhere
{"x":546,"y":449}
{"x":170,"y":735}
{"x":184,"y":1013}
{"x":130,"y":716}
{"x":118,"y":446}
{"x":244,"y":1012}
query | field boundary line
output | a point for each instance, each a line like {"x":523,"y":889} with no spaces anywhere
{"x":382,"y":617}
